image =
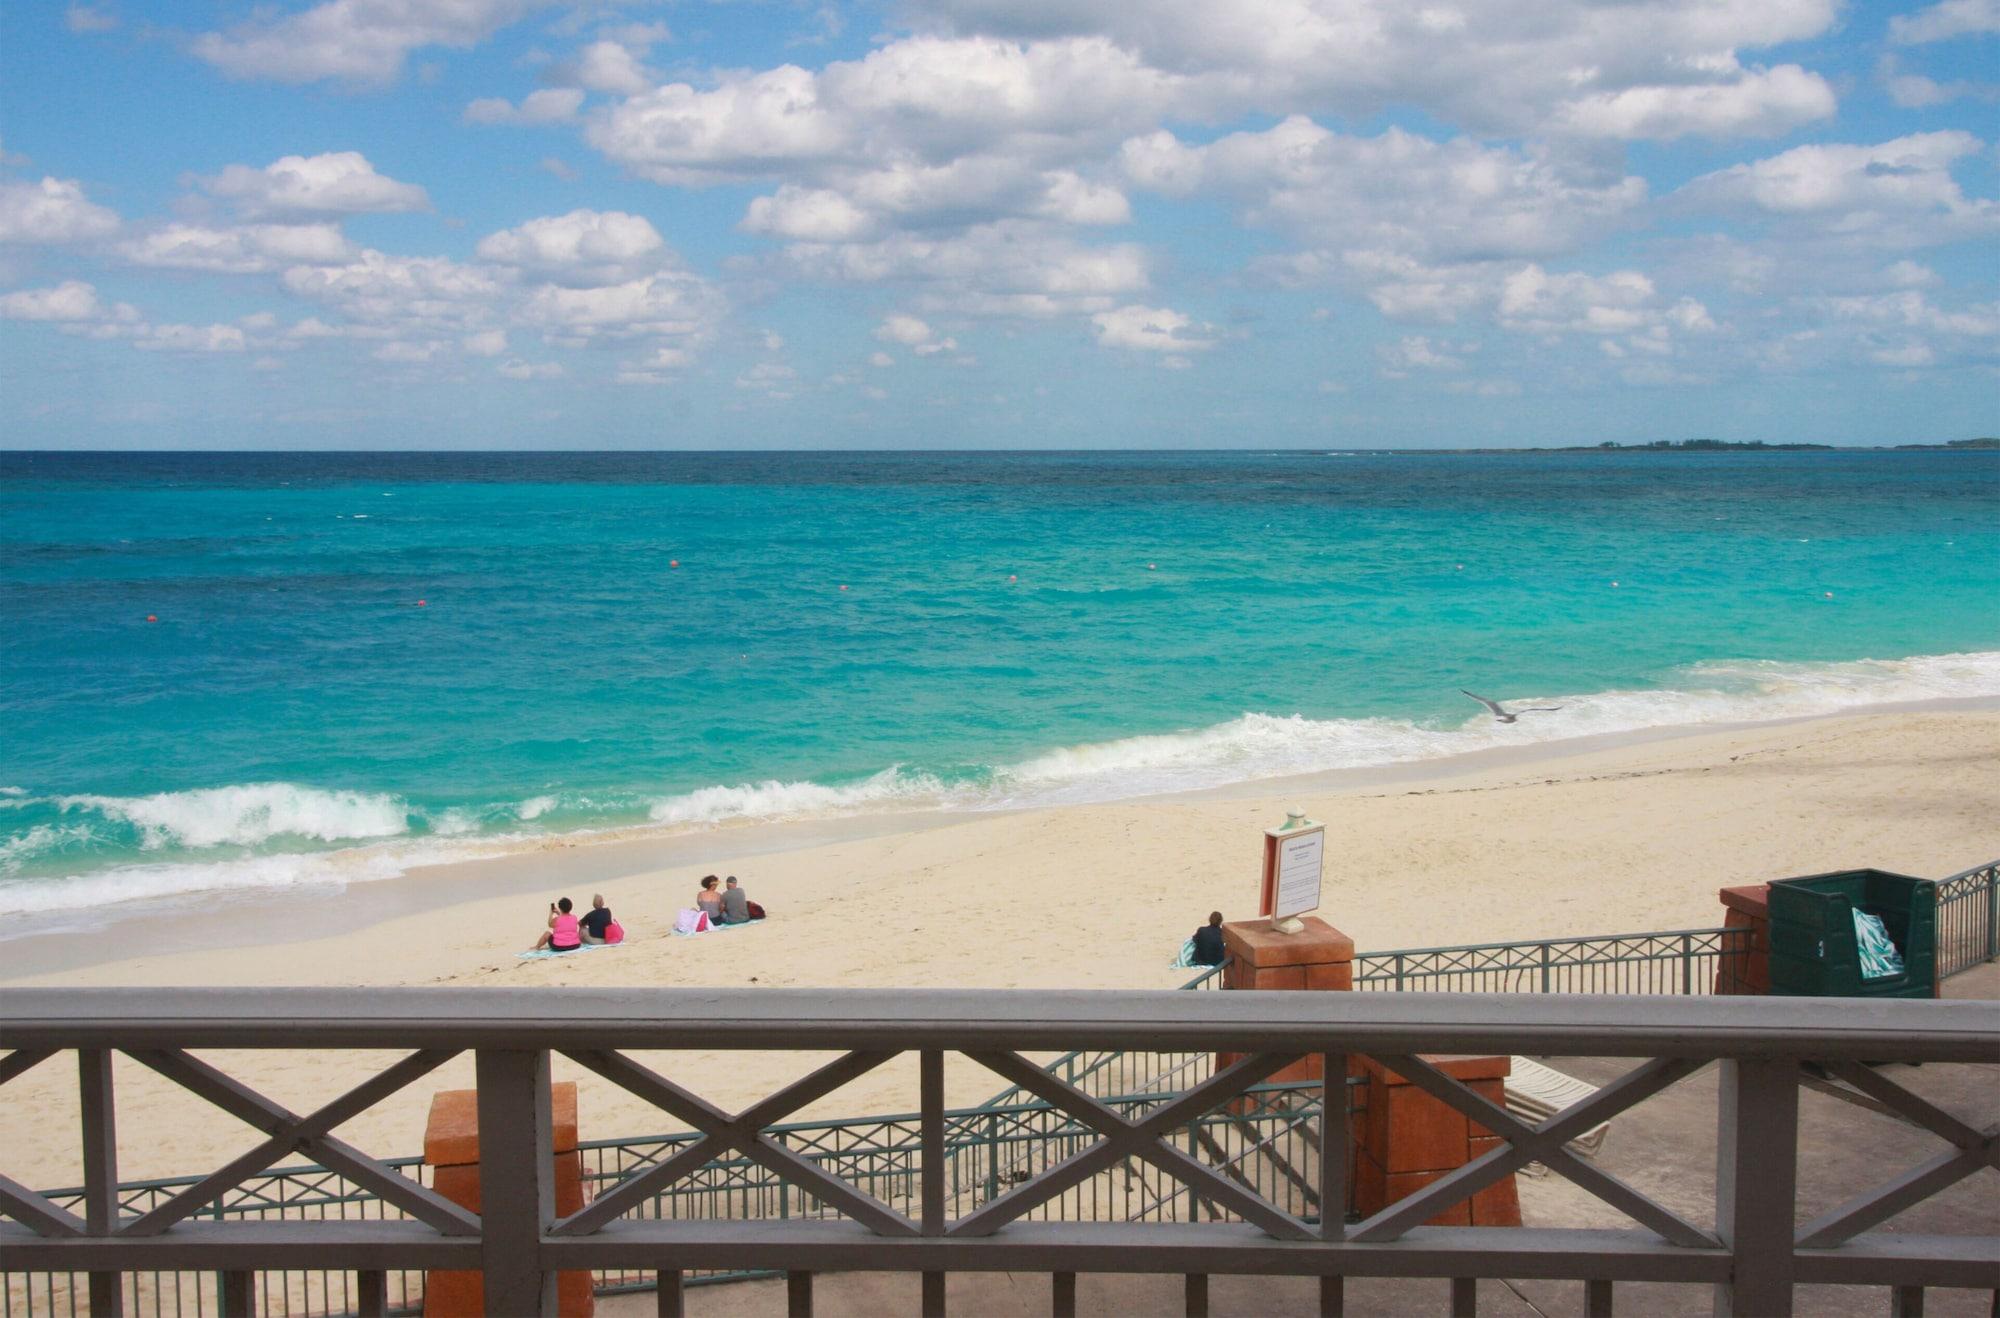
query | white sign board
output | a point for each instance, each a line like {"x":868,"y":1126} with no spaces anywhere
{"x":1294,"y":863}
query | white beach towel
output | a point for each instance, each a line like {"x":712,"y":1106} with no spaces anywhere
{"x":1536,"y":1092}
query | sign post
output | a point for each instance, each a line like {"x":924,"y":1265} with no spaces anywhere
{"x":1294,"y":865}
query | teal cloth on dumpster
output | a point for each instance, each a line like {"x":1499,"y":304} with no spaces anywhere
{"x":1879,"y":957}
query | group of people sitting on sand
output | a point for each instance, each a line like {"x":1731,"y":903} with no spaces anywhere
{"x":714,"y":906}
{"x":568,"y":931}
{"x":728,"y":905}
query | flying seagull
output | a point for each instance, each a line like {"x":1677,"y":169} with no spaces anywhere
{"x":1500,"y":714}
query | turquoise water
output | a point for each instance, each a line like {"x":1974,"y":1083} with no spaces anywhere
{"x":360,"y":661}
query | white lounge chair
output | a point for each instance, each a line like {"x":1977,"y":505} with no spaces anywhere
{"x":1536,"y":1092}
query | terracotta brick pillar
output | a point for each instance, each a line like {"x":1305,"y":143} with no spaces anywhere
{"x":1321,"y":957}
{"x":1409,"y":1139}
{"x":451,"y":1147}
{"x":1404,"y":1138}
{"x":1745,"y":964}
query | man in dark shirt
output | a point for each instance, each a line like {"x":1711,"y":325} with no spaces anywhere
{"x":1208,"y":948}
{"x":599,"y":919}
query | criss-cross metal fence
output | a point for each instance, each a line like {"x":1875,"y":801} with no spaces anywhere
{"x":1675,"y":961}
{"x":1261,"y":1143}
{"x":1968,"y":919}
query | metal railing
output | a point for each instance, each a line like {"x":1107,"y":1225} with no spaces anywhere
{"x":1210,"y":1220}
{"x":989,"y":1149}
{"x":1674,"y":961}
{"x":1968,"y":919}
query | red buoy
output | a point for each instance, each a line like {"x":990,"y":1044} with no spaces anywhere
{"x":151,"y":618}
{"x":1012,"y":577}
{"x":422,"y":604}
{"x":843,"y":588}
{"x":673,"y":562}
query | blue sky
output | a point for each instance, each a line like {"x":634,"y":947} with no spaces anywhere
{"x":997,"y":223}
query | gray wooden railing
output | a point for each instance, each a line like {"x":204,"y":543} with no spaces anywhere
{"x":1751,"y":1251}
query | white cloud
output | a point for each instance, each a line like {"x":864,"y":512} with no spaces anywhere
{"x":51,"y":211}
{"x":1898,"y":193}
{"x":71,"y":301}
{"x":1416,"y":352}
{"x":405,"y":352}
{"x":1913,"y":310}
{"x":906,"y":330}
{"x":1010,"y":268}
{"x":520,"y":370}
{"x":880,"y":359}
{"x":358,"y":41}
{"x":667,"y":303}
{"x":85,"y":19}
{"x":326,"y":186}
{"x":486,"y":343}
{"x":190,"y":338}
{"x":551,"y":105}
{"x":1149,"y":329}
{"x":1942,"y":22}
{"x":1394,"y":192}
{"x":584,"y":248}
{"x":1497,"y":68}
{"x":603,"y":66}
{"x":238,"y":249}
{"x":1534,"y":299}
{"x":427,"y":291}
{"x":1756,"y":103}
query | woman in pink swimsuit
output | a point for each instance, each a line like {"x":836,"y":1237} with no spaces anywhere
{"x":563,"y":934}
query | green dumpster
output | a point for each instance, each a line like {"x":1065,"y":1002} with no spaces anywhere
{"x":1816,"y":951}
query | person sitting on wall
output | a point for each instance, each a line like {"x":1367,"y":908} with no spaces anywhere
{"x":564,"y":932}
{"x":1208,"y":948}
{"x":735,"y":904}
{"x":596,"y":921}
{"x":709,"y":900}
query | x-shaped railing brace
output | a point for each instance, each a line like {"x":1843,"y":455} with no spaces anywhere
{"x":1141,"y":1138}
{"x":743,"y":1131}
{"x":1527,"y":1144}
{"x":1971,"y":1150}
{"x":290,"y":1132}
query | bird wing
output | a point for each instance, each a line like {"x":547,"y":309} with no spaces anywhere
{"x":1493,"y":705}
{"x":1538,"y":709}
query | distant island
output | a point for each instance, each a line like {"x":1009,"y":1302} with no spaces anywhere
{"x":1986,"y":443}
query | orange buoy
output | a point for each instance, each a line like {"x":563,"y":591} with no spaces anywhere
{"x":673,"y":562}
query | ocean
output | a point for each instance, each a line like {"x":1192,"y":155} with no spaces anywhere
{"x":231,"y":671}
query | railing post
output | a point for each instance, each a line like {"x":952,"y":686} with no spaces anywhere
{"x":1757,"y":1141}
{"x":516,"y":1179}
{"x":1545,"y":967}
{"x":1993,"y":913}
{"x":1687,"y":965}
{"x":100,"y":1168}
{"x":930,"y":1106}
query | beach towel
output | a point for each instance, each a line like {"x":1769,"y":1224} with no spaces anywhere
{"x":692,"y":922}
{"x":544,"y":953}
{"x":1879,"y":957}
{"x":713,"y":928}
{"x":1185,"y":961}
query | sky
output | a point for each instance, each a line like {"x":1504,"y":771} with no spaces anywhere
{"x":997,"y":223}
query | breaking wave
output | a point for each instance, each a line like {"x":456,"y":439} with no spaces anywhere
{"x":368,"y":836}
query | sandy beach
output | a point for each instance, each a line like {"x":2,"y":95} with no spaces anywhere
{"x":1576,"y":840}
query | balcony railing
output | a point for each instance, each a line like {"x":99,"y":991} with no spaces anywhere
{"x":1748,"y":1246}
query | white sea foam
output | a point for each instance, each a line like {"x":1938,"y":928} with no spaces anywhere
{"x":249,"y":814}
{"x":772,"y":799}
{"x":1252,"y":746}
